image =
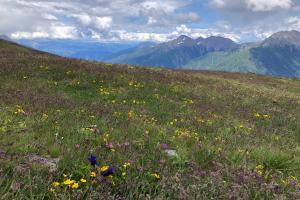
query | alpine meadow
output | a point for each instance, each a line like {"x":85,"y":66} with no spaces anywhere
{"x":165,"y":134}
{"x":149,"y":100}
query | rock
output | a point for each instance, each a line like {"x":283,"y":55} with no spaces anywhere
{"x":171,"y":153}
{"x":51,"y":163}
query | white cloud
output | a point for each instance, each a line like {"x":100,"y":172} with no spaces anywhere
{"x":152,"y":20}
{"x":83,"y":19}
{"x":136,"y":36}
{"x":253,"y":5}
{"x":182,"y":30}
{"x":218,"y":3}
{"x":293,"y":23}
{"x":103,"y":22}
{"x":267,"y":5}
{"x":54,"y":31}
{"x":49,"y":16}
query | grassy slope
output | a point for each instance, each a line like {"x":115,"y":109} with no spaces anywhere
{"x":237,"y":61}
{"x":207,"y":117}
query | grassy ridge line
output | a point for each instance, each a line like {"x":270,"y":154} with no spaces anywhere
{"x":210,"y":119}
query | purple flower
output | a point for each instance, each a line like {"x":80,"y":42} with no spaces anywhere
{"x":109,"y":145}
{"x":126,"y":144}
{"x":109,"y":171}
{"x":93,"y":160}
{"x":164,"y":146}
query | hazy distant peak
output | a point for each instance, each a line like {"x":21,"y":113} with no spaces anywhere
{"x":4,"y":37}
{"x":283,"y":38}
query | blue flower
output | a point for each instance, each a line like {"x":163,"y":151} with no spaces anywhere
{"x":93,"y":160}
{"x":107,"y":171}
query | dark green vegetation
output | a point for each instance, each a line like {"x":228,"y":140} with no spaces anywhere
{"x":234,"y":136}
{"x":278,"y":55}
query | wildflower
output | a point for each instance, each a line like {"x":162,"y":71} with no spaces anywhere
{"x":104,"y":168}
{"x":257,"y":115}
{"x":124,"y":174}
{"x":45,"y":116}
{"x":130,"y":114}
{"x":107,"y":170}
{"x":126,"y":165}
{"x":164,"y":146}
{"x":56,"y":184}
{"x":20,"y":111}
{"x":83,"y":180}
{"x":51,"y":190}
{"x":93,"y":160}
{"x":69,"y":182}
{"x":259,"y":167}
{"x":156,"y":176}
{"x":75,"y":186}
{"x":77,"y":146}
{"x":93,"y":174}
{"x":266,"y":116}
{"x":109,"y":145}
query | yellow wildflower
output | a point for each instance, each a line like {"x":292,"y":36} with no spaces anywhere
{"x":20,"y":111}
{"x":130,"y":114}
{"x":123,"y":173}
{"x":257,"y":115}
{"x":93,"y":174}
{"x":104,"y":168}
{"x":126,"y":165}
{"x":155,"y":175}
{"x":56,"y":184}
{"x":45,"y":116}
{"x":259,"y":167}
{"x":266,"y":116}
{"x":75,"y":186}
{"x":260,"y":172}
{"x":83,"y":180}
{"x":69,"y":182}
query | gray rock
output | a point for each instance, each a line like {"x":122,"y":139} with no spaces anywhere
{"x":171,"y":153}
{"x":51,"y":163}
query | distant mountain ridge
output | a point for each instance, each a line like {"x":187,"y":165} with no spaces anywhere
{"x":278,"y":55}
{"x":175,"y":53}
{"x":5,"y":37}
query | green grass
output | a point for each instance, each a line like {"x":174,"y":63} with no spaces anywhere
{"x":207,"y":117}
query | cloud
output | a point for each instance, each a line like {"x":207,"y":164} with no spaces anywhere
{"x":55,"y":31}
{"x":146,"y":19}
{"x":89,"y":18}
{"x":263,"y":5}
{"x":103,"y":22}
{"x":253,"y":5}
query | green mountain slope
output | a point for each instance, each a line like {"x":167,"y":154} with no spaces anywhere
{"x":237,"y":61}
{"x":167,"y":134}
{"x":175,"y":53}
{"x":274,"y":56}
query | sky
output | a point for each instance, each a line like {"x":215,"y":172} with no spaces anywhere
{"x":147,"y":20}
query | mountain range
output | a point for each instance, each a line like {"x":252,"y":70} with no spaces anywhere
{"x":278,"y":55}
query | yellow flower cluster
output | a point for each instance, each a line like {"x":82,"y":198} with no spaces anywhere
{"x":20,"y":110}
{"x":135,"y":84}
{"x":265,"y":116}
{"x":68,"y":182}
{"x":156,"y":176}
{"x":260,"y":169}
